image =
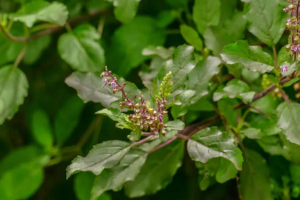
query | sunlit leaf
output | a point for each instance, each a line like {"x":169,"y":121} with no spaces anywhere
{"x":251,"y":57}
{"x":115,"y":178}
{"x":211,"y":143}
{"x":105,"y":155}
{"x":40,"y":10}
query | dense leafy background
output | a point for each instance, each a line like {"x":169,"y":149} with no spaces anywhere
{"x":222,"y":55}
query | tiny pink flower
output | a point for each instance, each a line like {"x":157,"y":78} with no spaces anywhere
{"x":284,"y":69}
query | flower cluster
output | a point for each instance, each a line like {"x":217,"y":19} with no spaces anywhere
{"x":293,"y":25}
{"x":143,"y":116}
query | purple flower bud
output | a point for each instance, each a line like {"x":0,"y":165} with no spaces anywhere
{"x":284,"y":69}
{"x":160,"y":117}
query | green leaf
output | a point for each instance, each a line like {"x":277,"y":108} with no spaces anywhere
{"x":22,"y":155}
{"x":69,"y":114}
{"x":182,"y":102}
{"x":34,"y":11}
{"x":206,"y":13}
{"x":284,"y":56}
{"x":227,"y":7}
{"x":216,"y":38}
{"x":21,"y":182}
{"x":236,"y":26}
{"x":89,"y":88}
{"x":191,"y":36}
{"x":13,"y":90}
{"x":35,"y":49}
{"x":233,"y":89}
{"x":215,"y":169}
{"x":207,"y":172}
{"x":172,"y":129}
{"x":279,"y":145}
{"x":200,"y":76}
{"x":121,"y":118}
{"x":125,"y":11}
{"x":158,"y":170}
{"x":211,"y":143}
{"x":266,"y":125}
{"x":289,"y":121}
{"x":21,"y":173}
{"x":159,"y":51}
{"x":105,"y":155}
{"x":251,"y":57}
{"x":267,"y":20}
{"x":83,"y":184}
{"x":295,"y":173}
{"x":81,"y":50}
{"x":177,"y":3}
{"x":128,"y":42}
{"x":226,"y":171}
{"x":267,"y":104}
{"x":115,"y":178}
{"x":255,"y":177}
{"x":41,"y":129}
{"x":182,"y":64}
{"x":225,"y":107}
{"x":292,"y":67}
{"x":8,"y":50}
{"x":166,"y":17}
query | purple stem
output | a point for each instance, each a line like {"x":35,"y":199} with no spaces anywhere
{"x":141,"y":141}
{"x":163,"y":144}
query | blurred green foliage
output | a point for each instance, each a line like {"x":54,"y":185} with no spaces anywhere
{"x":221,"y":54}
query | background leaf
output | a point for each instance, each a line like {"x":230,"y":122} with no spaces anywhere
{"x":83,"y":185}
{"x":206,"y":13}
{"x":68,"y":114}
{"x":191,"y":36}
{"x":128,"y":42}
{"x":41,"y":129}
{"x":21,"y":173}
{"x":235,"y":88}
{"x":13,"y":90}
{"x":267,"y":21}
{"x":288,"y":121}
{"x":81,"y":50}
{"x":41,"y":11}
{"x":255,"y":182}
{"x":125,"y":11}
{"x":251,"y":57}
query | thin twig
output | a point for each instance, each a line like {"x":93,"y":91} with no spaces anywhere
{"x":182,"y":136}
{"x":53,"y":29}
{"x":258,"y":110}
{"x":89,"y":132}
{"x":163,"y":144}
{"x":275,"y":57}
{"x":147,"y":133}
{"x":11,"y":37}
{"x":142,"y":141}
{"x":20,"y":56}
{"x":265,"y":92}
